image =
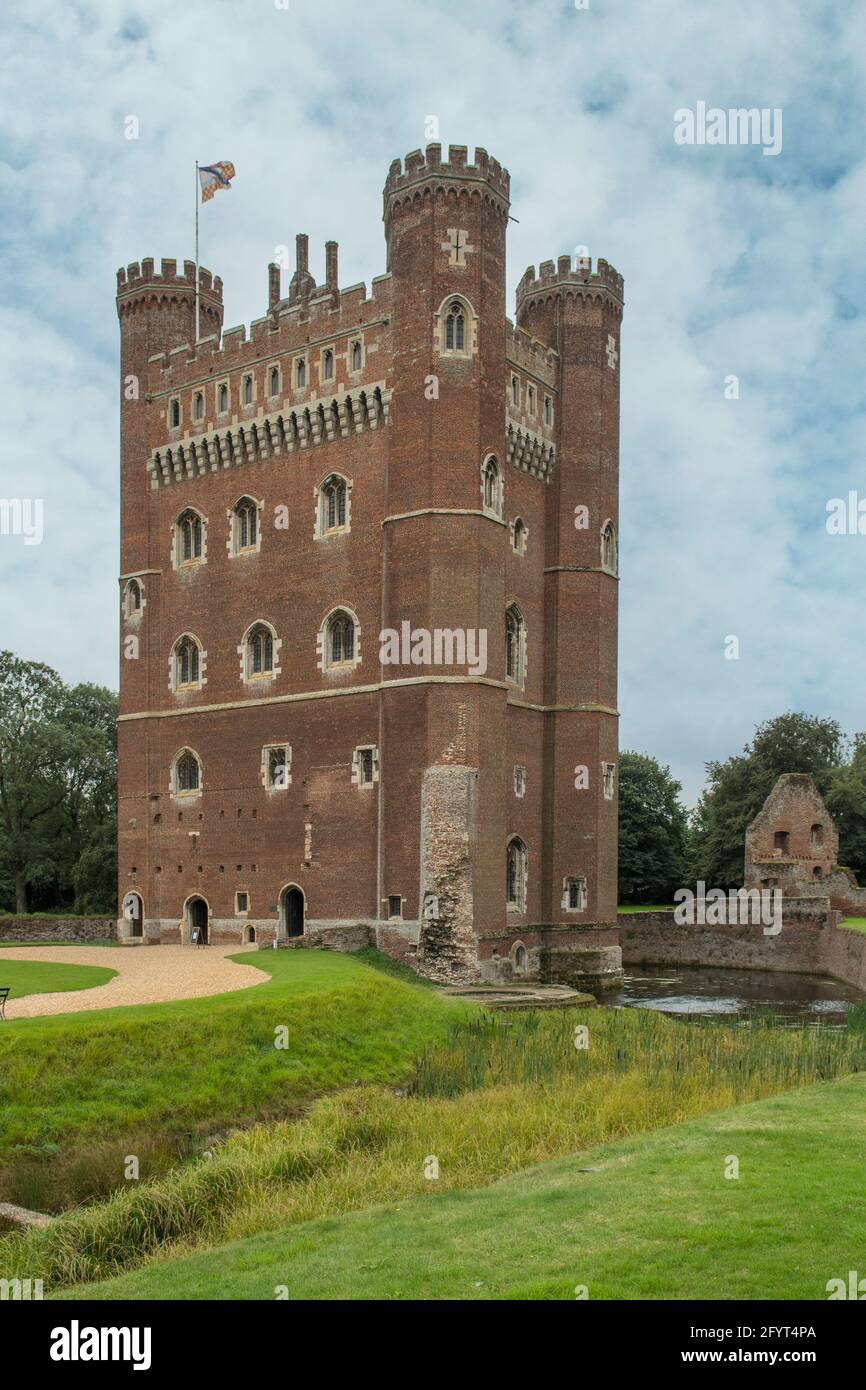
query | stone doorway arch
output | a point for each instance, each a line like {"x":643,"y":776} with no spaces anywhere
{"x":197,"y":921}
{"x":292,"y":912}
{"x":133,"y":913}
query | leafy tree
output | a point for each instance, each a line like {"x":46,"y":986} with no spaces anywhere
{"x":738,"y":788}
{"x":653,"y":829}
{"x":846,"y":802}
{"x":57,"y":782}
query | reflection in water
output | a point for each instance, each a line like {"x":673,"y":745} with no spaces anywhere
{"x":706,"y":990}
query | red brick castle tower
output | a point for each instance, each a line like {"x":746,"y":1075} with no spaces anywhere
{"x":369,"y":597}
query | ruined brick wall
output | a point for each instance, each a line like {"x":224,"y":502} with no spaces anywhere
{"x":792,"y":842}
{"x":449,"y":833}
{"x":843,"y":890}
{"x":801,"y":946}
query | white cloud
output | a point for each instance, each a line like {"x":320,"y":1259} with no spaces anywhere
{"x":733,"y":263}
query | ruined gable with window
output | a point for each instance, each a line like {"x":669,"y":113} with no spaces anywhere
{"x":792,"y":842}
{"x":793,"y":845}
{"x":410,"y":461}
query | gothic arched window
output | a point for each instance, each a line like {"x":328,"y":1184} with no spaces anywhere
{"x":332,"y":505}
{"x":515,"y":874}
{"x":259,"y":651}
{"x":514,"y":644}
{"x":455,"y":327}
{"x":608,"y":547}
{"x":340,"y":639}
{"x":492,"y":487}
{"x":245,"y":515}
{"x":186,"y":663}
{"x":132,"y":599}
{"x":189,"y":532}
{"x":186,"y":772}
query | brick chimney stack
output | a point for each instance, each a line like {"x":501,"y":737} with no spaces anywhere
{"x":331,"y":275}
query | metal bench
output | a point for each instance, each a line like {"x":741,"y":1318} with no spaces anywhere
{"x":4,"y":995}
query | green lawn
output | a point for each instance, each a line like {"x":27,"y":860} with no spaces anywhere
{"x":655,"y":1219}
{"x":46,"y":977}
{"x":855,"y":923}
{"x":203,"y":1064}
{"x":493,"y":1097}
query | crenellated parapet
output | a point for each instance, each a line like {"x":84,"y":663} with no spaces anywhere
{"x":527,"y":352}
{"x":288,"y":329}
{"x":141,"y":285}
{"x":580,"y":282}
{"x":426,"y":173}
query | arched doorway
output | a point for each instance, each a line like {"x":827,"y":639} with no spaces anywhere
{"x":291,"y":912}
{"x":249,"y":935}
{"x":133,"y":912}
{"x":197,"y":921}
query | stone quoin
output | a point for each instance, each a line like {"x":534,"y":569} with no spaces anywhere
{"x":356,"y":463}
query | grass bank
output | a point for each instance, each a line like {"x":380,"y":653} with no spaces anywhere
{"x":650,"y":1217}
{"x":495,"y":1095}
{"x":46,"y":977}
{"x":78,"y":1092}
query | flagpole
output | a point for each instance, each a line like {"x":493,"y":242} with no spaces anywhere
{"x":196,"y":253}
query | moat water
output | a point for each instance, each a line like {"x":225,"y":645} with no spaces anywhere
{"x":694,"y":990}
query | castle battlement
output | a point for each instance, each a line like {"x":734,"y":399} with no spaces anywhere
{"x":287,"y":328}
{"x":427,"y":166}
{"x":561,"y":274}
{"x":140,"y":276}
{"x":531,"y":354}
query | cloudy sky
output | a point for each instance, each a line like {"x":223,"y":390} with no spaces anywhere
{"x":736,"y":263}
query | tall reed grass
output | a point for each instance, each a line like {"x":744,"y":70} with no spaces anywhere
{"x":500,"y":1095}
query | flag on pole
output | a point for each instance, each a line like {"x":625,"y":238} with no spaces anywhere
{"x":214,"y":176}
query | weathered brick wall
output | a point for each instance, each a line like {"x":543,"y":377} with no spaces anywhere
{"x":844,"y":892}
{"x":794,"y":808}
{"x":811,"y":942}
{"x":449,"y":834}
{"x":56,"y":928}
{"x":844,"y":956}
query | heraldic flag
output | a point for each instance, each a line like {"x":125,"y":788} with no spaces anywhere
{"x":214,"y":176}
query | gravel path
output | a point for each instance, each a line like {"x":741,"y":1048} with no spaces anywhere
{"x":146,"y":975}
